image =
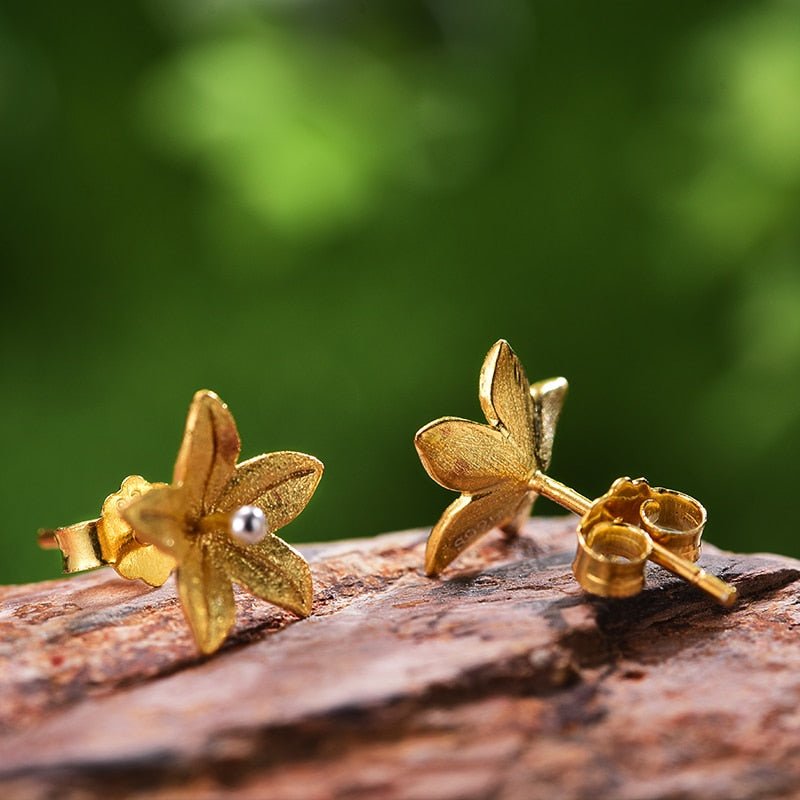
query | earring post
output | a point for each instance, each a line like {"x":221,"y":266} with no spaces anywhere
{"x":560,"y":493}
{"x":724,"y":593}
{"x":47,"y":539}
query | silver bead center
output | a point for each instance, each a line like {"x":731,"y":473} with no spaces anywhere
{"x":248,"y":525}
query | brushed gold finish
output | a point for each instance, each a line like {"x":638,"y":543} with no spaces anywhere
{"x":499,"y":469}
{"x":491,"y":465}
{"x":146,"y":530}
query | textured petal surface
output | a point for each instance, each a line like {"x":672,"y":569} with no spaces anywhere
{"x":273,"y":571}
{"x":208,"y":453}
{"x":158,"y":518}
{"x":521,"y":514}
{"x":467,"y":456}
{"x":505,"y":396}
{"x":467,"y":519}
{"x":548,"y":400}
{"x":206,"y":593}
{"x":144,"y":562}
{"x":280,"y":484}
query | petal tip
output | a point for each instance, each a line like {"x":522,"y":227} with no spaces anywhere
{"x":435,"y":561}
{"x":210,"y":646}
{"x":318,"y":469}
{"x":432,"y":569}
{"x":206,"y":397}
{"x":501,"y":347}
{"x":307,"y":606}
{"x":317,"y":464}
{"x":206,"y":394}
{"x":550,"y":386}
{"x":419,"y":436}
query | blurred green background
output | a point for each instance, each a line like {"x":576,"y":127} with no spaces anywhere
{"x":327,"y":212}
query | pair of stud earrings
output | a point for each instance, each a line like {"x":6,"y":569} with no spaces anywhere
{"x":216,"y":523}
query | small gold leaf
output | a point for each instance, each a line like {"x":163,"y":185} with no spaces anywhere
{"x":206,"y":595}
{"x":208,"y":453}
{"x":159,"y":518}
{"x":145,"y":562}
{"x":505,"y":396}
{"x":467,"y":456}
{"x":548,"y":400}
{"x":280,"y":484}
{"x":468,"y":518}
{"x":273,"y":571}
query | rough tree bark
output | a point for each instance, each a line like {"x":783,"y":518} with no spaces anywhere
{"x":501,"y":680}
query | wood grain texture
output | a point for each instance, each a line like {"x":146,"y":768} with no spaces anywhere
{"x":502,"y":679}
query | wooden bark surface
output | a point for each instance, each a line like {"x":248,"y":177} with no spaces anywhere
{"x":501,"y":680}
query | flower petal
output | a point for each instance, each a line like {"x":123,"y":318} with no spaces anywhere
{"x":548,"y":400}
{"x":467,"y":456}
{"x":145,"y":562}
{"x":273,"y":571}
{"x":208,"y":453}
{"x":280,"y":484}
{"x":159,"y":518}
{"x":521,"y":515}
{"x":131,"y":558}
{"x":113,"y":530}
{"x":206,"y":593}
{"x":466,"y":520}
{"x":505,"y":396}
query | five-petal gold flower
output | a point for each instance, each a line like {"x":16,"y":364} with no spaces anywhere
{"x":190,"y":521}
{"x":491,"y":465}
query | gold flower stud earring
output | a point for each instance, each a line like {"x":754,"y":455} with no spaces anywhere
{"x":215,"y":524}
{"x":500,"y":467}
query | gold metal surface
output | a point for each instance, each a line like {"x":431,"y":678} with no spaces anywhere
{"x":610,"y":559}
{"x":110,"y":540}
{"x":499,"y":469}
{"x":491,"y":465}
{"x":147,"y":530}
{"x":79,"y":545}
{"x":673,"y":523}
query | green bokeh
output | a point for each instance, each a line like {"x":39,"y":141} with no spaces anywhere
{"x":327,"y":213}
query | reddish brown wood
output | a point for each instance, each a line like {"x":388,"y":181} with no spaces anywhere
{"x":501,"y":680}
